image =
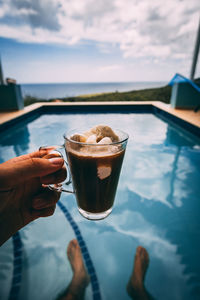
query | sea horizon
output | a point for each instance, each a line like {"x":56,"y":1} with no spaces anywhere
{"x":73,"y":89}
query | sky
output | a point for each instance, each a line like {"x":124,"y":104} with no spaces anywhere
{"x":44,"y":41}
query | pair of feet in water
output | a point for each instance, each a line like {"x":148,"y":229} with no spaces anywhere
{"x":80,"y":279}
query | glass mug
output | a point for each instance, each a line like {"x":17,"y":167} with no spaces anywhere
{"x":93,"y":172}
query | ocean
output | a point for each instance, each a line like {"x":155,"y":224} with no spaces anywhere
{"x":61,"y":90}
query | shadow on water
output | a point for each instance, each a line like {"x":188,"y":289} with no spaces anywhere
{"x":17,"y":132}
{"x":16,"y":138}
{"x":17,"y":141}
{"x":173,"y":138}
{"x":176,"y":226}
{"x":187,"y":237}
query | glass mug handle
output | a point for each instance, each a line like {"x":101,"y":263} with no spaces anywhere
{"x":59,"y":151}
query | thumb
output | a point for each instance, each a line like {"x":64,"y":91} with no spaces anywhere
{"x":15,"y":172}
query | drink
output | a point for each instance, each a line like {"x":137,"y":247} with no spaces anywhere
{"x":95,"y":178}
{"x":94,"y":162}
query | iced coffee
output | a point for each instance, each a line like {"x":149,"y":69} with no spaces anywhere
{"x":95,"y":158}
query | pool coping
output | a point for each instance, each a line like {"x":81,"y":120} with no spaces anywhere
{"x":186,"y":118}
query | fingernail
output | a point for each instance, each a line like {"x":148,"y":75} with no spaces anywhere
{"x":56,"y":160}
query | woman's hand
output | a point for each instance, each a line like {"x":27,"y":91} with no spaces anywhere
{"x":23,"y":197}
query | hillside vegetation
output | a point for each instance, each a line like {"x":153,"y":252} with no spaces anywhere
{"x":162,"y":94}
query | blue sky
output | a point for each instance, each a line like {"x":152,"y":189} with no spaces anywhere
{"x":84,"y":41}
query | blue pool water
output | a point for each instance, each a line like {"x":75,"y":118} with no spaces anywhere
{"x":157,"y":206}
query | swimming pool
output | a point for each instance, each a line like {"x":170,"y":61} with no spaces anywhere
{"x":157,"y":206}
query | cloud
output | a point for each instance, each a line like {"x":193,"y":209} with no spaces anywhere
{"x":34,"y":13}
{"x":139,"y":28}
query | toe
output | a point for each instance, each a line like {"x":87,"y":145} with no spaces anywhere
{"x":71,"y":247}
{"x":139,"y":250}
{"x":74,"y":243}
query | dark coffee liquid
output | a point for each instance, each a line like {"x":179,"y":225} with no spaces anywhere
{"x":95,"y":179}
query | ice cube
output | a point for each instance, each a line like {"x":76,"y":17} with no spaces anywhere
{"x":92,"y":139}
{"x":103,"y":172}
{"x":102,"y":131}
{"x":105,"y":140}
{"x":77,"y":137}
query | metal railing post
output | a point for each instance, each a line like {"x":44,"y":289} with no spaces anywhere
{"x":195,"y":55}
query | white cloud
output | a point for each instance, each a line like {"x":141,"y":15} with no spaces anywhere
{"x":140,"y":28}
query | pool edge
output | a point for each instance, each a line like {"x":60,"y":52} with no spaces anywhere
{"x":187,"y":118}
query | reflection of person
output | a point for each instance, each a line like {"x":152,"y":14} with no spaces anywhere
{"x":22,"y":194}
{"x":80,"y":280}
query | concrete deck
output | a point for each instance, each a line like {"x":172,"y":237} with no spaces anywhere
{"x":187,"y":115}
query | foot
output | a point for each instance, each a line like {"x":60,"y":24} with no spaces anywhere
{"x":80,"y":278}
{"x":136,"y":281}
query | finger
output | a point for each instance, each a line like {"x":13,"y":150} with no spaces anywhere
{"x":45,"y":212}
{"x":42,"y":152}
{"x":56,"y":177}
{"x":45,"y":199}
{"x":36,"y":154}
{"x":13,"y":173}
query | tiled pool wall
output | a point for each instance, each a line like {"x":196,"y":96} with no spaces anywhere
{"x":17,"y":266}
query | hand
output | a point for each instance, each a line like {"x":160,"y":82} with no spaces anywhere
{"x":23,"y":197}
